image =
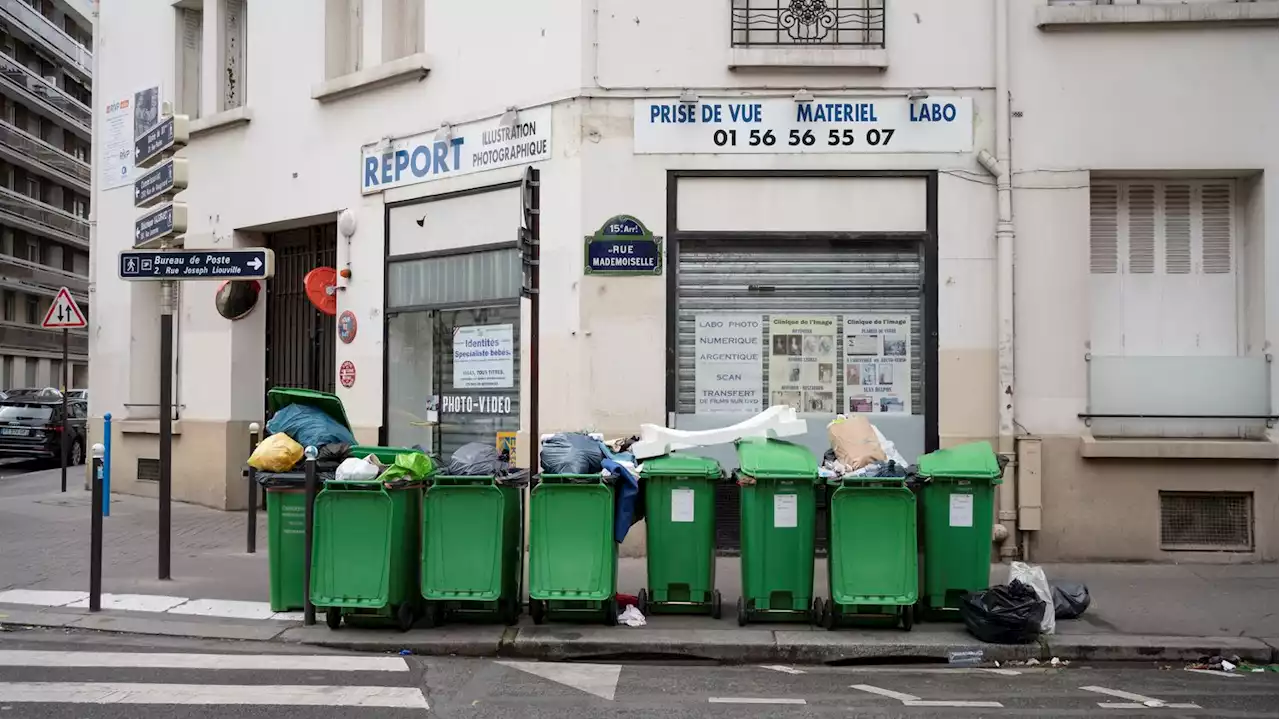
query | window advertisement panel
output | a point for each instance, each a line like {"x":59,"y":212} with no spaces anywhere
{"x":802,"y":362}
{"x":877,"y":363}
{"x":483,"y":357}
{"x":729,"y":365}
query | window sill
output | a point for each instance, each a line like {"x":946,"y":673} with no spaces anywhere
{"x":145,"y":426}
{"x":801,"y":58}
{"x":405,"y":69}
{"x":1075,"y":17}
{"x":1094,"y":448}
{"x":224,"y":120}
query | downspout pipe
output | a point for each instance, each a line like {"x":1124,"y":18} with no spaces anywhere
{"x":1005,"y":236}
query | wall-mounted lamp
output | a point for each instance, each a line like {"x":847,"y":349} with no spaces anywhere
{"x":803,"y":96}
{"x":444,"y":133}
{"x":918,"y":94}
{"x":510,"y":117}
{"x":689,"y":97}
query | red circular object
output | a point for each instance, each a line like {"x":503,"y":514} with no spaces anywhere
{"x":347,"y":374}
{"x":320,"y":285}
{"x":347,"y":327}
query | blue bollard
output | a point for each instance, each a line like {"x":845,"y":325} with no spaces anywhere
{"x":106,"y":465}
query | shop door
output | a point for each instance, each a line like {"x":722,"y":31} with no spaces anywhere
{"x":824,"y":327}
{"x":300,"y":338}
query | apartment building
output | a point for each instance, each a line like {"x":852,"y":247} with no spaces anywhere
{"x":46,"y":79}
{"x":1046,"y":224}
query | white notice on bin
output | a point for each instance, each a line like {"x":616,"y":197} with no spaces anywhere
{"x":682,"y":505}
{"x":784,"y":510}
{"x":962,"y":510}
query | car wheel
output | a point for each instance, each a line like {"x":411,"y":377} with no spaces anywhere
{"x":77,"y":453}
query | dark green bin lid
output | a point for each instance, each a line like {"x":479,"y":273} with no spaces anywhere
{"x":976,"y":460}
{"x":775,"y":459}
{"x":680,"y":465}
{"x":280,"y":397}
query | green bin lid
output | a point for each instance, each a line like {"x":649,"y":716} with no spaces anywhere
{"x":975,"y":460}
{"x":775,"y":459}
{"x":680,"y":465}
{"x":281,"y":397}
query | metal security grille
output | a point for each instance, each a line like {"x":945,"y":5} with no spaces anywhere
{"x":820,"y":278}
{"x":300,"y":338}
{"x":1206,"y":521}
{"x":148,"y":470}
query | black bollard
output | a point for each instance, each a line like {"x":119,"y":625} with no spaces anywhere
{"x":95,"y":533}
{"x":251,"y":536}
{"x":308,"y":609}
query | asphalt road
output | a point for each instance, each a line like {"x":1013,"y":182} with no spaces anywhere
{"x":29,"y":476}
{"x":53,"y":675}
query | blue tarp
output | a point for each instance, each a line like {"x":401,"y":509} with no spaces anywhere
{"x":627,"y":507}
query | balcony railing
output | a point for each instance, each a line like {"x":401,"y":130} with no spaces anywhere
{"x":44,"y":279}
{"x":1179,"y":396}
{"x":1144,"y":2}
{"x":38,"y":90}
{"x":34,"y":215}
{"x":14,"y":334}
{"x":75,"y":170}
{"x":808,"y":23}
{"x":49,"y":35}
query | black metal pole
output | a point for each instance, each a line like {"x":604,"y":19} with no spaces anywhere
{"x":308,"y":609}
{"x":251,"y":539}
{"x":95,"y":534}
{"x":166,"y":422}
{"x":66,"y":424}
{"x":535,"y":314}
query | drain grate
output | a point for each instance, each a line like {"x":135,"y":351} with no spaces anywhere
{"x":1206,"y":521}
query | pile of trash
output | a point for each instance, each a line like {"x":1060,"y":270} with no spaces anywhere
{"x":588,"y":456}
{"x":1025,"y":608}
{"x":858,"y":448}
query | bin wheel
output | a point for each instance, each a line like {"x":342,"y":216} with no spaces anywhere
{"x":742,"y":613}
{"x":333,"y":617}
{"x":405,"y":617}
{"x":431,"y":615}
{"x":538,"y":610}
{"x":715,"y":604}
{"x":510,"y":612}
{"x":609,"y":613}
{"x":908,"y":617}
{"x":643,"y":601}
{"x":815,"y":612}
{"x":830,"y":615}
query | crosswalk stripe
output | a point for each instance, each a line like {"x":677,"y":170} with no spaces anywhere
{"x":212,"y":694}
{"x":256,"y":662}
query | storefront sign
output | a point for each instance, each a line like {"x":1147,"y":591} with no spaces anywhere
{"x":802,"y":362}
{"x":829,"y":125}
{"x":729,"y":366}
{"x":459,"y":150}
{"x":483,"y":357}
{"x":623,"y":246}
{"x":475,"y":404}
{"x":347,"y":327}
{"x":347,"y":374}
{"x":877,"y":363}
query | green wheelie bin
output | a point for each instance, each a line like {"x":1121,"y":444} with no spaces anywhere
{"x":573,"y":560}
{"x":364,"y":553}
{"x":471,"y":551}
{"x":680,"y":526}
{"x":871,"y":557}
{"x":777,"y":484}
{"x":957,"y":488}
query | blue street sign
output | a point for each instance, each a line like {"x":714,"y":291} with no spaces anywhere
{"x":623,"y":246}
{"x":253,"y":264}
{"x":169,"y":219}
{"x":159,"y":182}
{"x":171,"y":131}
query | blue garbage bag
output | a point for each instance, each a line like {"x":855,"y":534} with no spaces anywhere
{"x":308,"y":426}
{"x":628,"y":508}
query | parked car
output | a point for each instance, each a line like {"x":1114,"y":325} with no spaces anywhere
{"x":78,"y":394}
{"x":40,"y":393}
{"x":32,"y":428}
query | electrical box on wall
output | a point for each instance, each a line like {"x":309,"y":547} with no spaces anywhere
{"x":1029,"y":472}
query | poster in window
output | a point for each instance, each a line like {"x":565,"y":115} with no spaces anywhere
{"x":802,"y":362}
{"x":877,"y":363}
{"x":483,"y":357}
{"x":729,"y":365}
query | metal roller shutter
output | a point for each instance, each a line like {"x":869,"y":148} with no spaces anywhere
{"x":820,"y":278}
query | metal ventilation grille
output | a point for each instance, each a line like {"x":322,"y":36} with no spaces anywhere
{"x":148,"y":470}
{"x":1206,"y":521}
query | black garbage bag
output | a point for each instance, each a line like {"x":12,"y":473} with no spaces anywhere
{"x":1069,"y":599}
{"x":571,"y":453}
{"x":1005,"y":614}
{"x":476,"y":459}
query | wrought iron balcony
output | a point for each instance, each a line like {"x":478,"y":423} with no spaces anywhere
{"x":807,"y":23}
{"x":43,"y":33}
{"x":41,"y":94}
{"x":44,"y":158}
{"x":18,"y":210}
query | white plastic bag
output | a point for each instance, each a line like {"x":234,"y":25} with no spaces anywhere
{"x":890,"y":451}
{"x":631,"y":617}
{"x":1033,"y":577}
{"x":354,"y":469}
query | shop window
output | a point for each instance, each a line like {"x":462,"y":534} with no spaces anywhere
{"x":402,"y":28}
{"x":189,"y":17}
{"x":233,"y":54}
{"x":343,"y":30}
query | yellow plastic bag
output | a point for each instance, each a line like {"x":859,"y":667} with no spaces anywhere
{"x":277,"y":453}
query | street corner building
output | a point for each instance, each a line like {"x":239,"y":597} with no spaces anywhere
{"x":1046,"y":225}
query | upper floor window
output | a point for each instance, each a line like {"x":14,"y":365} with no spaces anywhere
{"x":233,"y":53}
{"x":402,"y":29}
{"x":189,"y":30}
{"x":849,"y":23}
{"x":343,"y":41}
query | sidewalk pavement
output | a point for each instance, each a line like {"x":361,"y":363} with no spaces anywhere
{"x":1139,"y":611}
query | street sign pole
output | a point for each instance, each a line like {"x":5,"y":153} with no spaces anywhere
{"x":166,"y":421}
{"x":66,"y":423}
{"x":64,"y":314}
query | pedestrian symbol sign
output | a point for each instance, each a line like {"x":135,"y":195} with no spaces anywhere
{"x":64,"y":313}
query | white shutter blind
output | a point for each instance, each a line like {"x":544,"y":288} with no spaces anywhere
{"x":1177,"y":229}
{"x":1104,"y":230}
{"x":1216,"y":227}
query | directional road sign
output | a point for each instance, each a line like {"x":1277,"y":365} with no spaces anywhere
{"x":64,"y":313}
{"x":172,"y":131}
{"x":249,"y":264}
{"x":165,"y":221}
{"x":160,"y":183}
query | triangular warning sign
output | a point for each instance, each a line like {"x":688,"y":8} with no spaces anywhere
{"x":64,"y":313}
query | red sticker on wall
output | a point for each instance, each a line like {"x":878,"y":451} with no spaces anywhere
{"x":347,"y":374}
{"x":347,"y":327}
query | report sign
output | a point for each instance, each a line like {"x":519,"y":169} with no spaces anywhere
{"x":781,"y":125}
